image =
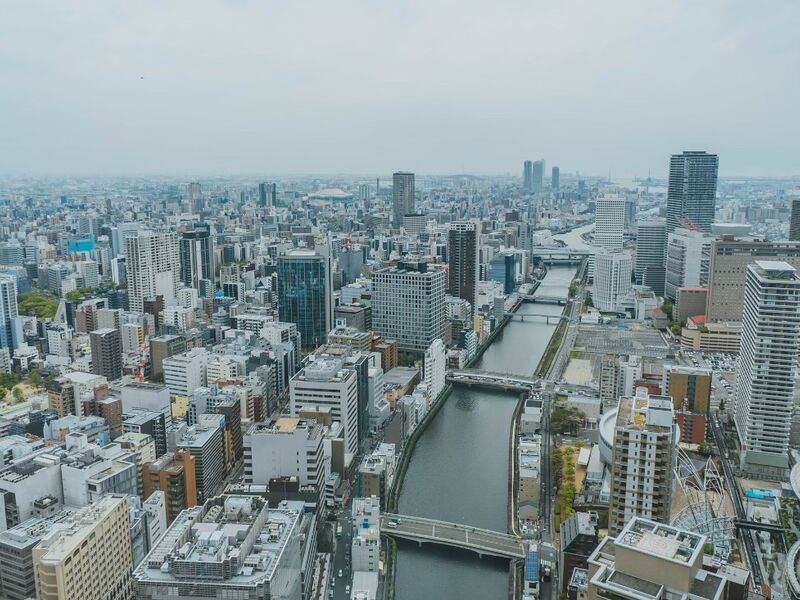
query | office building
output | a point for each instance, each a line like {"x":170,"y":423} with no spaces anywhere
{"x":267,"y":194}
{"x":402,"y":196}
{"x":644,"y":455}
{"x":326,"y":383}
{"x":184,"y":373}
{"x":151,"y":422}
{"x":230,"y":547}
{"x":649,"y":560}
{"x":727,"y":272}
{"x":462,"y":261}
{"x":688,"y":255}
{"x":376,"y":473}
{"x":205,"y":444}
{"x":527,"y":176}
{"x":173,"y":474}
{"x":537,"y":176}
{"x":578,"y":537}
{"x":10,"y":325}
{"x":764,"y":388}
{"x":692,"y":191}
{"x":305,"y":295}
{"x":67,"y":558}
{"x":609,"y":221}
{"x":106,"y":345}
{"x":651,"y":243}
{"x":143,"y":449}
{"x":689,"y":302}
{"x":366,"y":547}
{"x":612,"y":279}
{"x":690,"y":390}
{"x":196,"y":255}
{"x":434,"y":368}
{"x":794,"y":221}
{"x":357,"y":316}
{"x":555,"y":178}
{"x":408,"y":305}
{"x":153,"y":265}
{"x":271,"y":450}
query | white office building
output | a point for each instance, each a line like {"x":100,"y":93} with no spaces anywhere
{"x":325,"y":383}
{"x":285,"y":447}
{"x":688,"y":255}
{"x":612,"y":279}
{"x":609,"y":221}
{"x":184,"y":373}
{"x":770,"y":341}
{"x":434,"y":368}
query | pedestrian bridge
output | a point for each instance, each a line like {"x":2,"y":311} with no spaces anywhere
{"x":481,"y":541}
{"x":501,"y":380}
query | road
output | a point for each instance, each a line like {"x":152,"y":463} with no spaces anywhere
{"x":341,"y":557}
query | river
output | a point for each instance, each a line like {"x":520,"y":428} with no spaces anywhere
{"x":459,"y":469}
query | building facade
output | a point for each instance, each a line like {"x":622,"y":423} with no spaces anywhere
{"x":692,"y":190}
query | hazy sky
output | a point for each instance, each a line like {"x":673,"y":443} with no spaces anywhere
{"x":289,"y":86}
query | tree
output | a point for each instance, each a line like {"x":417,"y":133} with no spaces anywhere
{"x":37,"y":304}
{"x":667,"y":308}
{"x":3,"y":392}
{"x":588,"y":302}
{"x":36,"y":378}
{"x":675,"y":328}
{"x":566,"y":420}
{"x":17,"y":393}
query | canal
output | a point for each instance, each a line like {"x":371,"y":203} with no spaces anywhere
{"x":459,"y":469}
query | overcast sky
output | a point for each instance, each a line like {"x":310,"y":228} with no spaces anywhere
{"x":271,"y":87}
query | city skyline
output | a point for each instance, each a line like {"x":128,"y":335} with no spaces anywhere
{"x":104,"y":102}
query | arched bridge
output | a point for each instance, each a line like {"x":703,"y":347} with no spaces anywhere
{"x":481,"y":541}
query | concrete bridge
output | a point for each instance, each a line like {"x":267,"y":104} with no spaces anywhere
{"x":514,"y":316}
{"x":504,"y":381}
{"x":540,"y":299}
{"x":558,"y":256}
{"x":481,"y":541}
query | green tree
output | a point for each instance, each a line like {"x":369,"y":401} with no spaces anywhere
{"x":17,"y":393}
{"x":667,"y":308}
{"x":675,"y":328}
{"x":36,"y":378}
{"x":3,"y":392}
{"x":37,"y":304}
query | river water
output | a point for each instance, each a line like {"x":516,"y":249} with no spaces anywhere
{"x":459,"y":469}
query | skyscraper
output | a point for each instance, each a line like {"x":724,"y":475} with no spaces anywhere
{"x":538,"y":176}
{"x":609,"y":228}
{"x":408,"y":304}
{"x":462,"y":259}
{"x":794,"y":221}
{"x":764,"y":388}
{"x":10,"y":325}
{"x":267,"y":193}
{"x":644,"y":455}
{"x":612,"y":279}
{"x":305,"y":296}
{"x":555,"y":178}
{"x":692,"y":192}
{"x":402,"y":196}
{"x":153,"y":266}
{"x":106,"y":345}
{"x":688,"y":255}
{"x":196,"y":255}
{"x":651,"y":243}
{"x":527,"y":176}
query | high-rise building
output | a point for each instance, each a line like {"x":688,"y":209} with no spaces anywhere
{"x":462,"y":260}
{"x":10,"y":325}
{"x":643,"y":458}
{"x":692,"y":191}
{"x":764,"y":388}
{"x":402,"y":196}
{"x":688,"y":254}
{"x":408,"y":304}
{"x":184,"y":373}
{"x":537,"y":177}
{"x":174,"y":474}
{"x":143,"y":448}
{"x":106,"y":345}
{"x":88,"y":556}
{"x":231,"y":547}
{"x":267,"y":193}
{"x":609,"y":229}
{"x":727,"y":272}
{"x":153,"y":267}
{"x":612,"y":279}
{"x":555,"y":178}
{"x":206,"y":445}
{"x":527,"y":176}
{"x":196,"y":256}
{"x":651,"y":243}
{"x":326,"y":383}
{"x":305,"y":294}
{"x":794,"y":221}
{"x":690,"y":390}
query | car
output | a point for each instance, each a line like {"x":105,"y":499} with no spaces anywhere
{"x":392,"y":524}
{"x":340,"y":572}
{"x":347,"y":589}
